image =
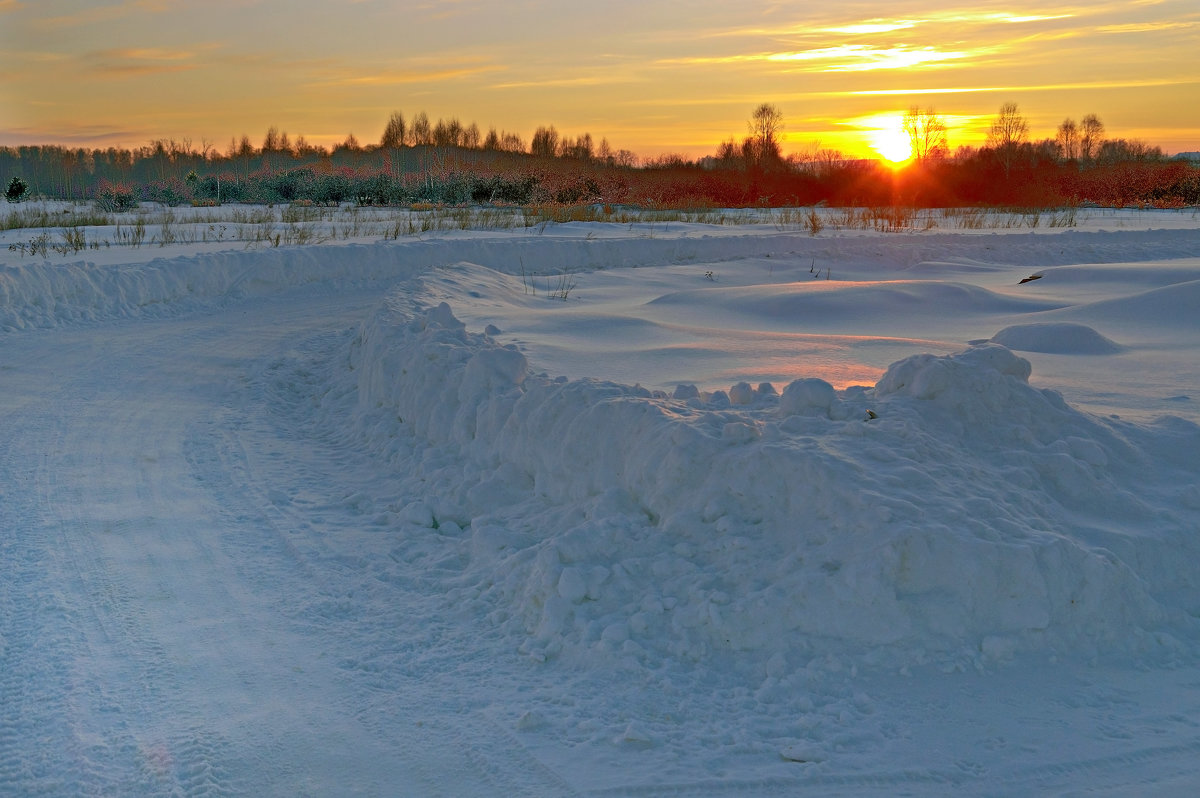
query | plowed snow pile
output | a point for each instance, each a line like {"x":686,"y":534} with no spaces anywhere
{"x":952,"y":508}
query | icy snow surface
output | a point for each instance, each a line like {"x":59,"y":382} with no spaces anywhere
{"x":606,"y":510}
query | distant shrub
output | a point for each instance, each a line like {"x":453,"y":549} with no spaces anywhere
{"x":585,"y":190}
{"x":378,"y":189}
{"x":289,"y":186}
{"x":171,"y":191}
{"x":17,"y":189}
{"x":112,"y":196}
{"x":332,"y":189}
{"x":515,"y":190}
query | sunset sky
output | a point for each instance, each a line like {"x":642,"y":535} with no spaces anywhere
{"x":652,"y":76}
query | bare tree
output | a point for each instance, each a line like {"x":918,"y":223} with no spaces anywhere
{"x":762,"y":146}
{"x":728,"y":152}
{"x":421,"y":133}
{"x":1067,"y":139}
{"x":511,"y":142}
{"x":394,"y":133}
{"x":545,"y":142}
{"x":926,"y":133}
{"x":1091,"y":133}
{"x":1124,"y":150}
{"x":580,"y":148}
{"x":1008,"y":132}
{"x":470,"y":136}
{"x":452,"y":132}
{"x":626,"y":158}
{"x":304,"y":148}
{"x":441,"y":136}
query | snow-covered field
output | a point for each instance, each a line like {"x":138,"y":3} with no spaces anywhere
{"x":604,"y":509}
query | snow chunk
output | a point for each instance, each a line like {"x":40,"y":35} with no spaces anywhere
{"x":685,"y":392}
{"x":741,"y":394}
{"x":572,"y":585}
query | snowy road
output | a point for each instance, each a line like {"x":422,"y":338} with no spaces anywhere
{"x":152,"y":642}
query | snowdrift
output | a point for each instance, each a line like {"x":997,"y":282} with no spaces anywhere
{"x":829,"y":301}
{"x":950,"y":510}
{"x":46,"y":293}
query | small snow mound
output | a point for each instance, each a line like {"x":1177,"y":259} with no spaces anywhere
{"x":1056,"y":338}
{"x":808,"y":396}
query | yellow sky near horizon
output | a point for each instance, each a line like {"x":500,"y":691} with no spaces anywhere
{"x":655,"y":76}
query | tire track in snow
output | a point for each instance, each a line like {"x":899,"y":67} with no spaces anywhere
{"x":37,"y":637}
{"x":79,"y":668}
{"x":106,"y":504}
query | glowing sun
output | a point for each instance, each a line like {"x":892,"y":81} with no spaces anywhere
{"x":892,"y":142}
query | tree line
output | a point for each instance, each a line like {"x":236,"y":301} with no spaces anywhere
{"x":446,"y":161}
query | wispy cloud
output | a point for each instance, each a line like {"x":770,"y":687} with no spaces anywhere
{"x":848,"y":58}
{"x":400,"y":76}
{"x":862,"y":58}
{"x":1147,"y":27}
{"x":10,"y":5}
{"x":106,"y":13}
{"x":131,"y":62}
{"x":873,"y":27}
{"x":877,"y":25}
{"x":1106,"y":84}
{"x":69,"y":134}
{"x":609,"y":79}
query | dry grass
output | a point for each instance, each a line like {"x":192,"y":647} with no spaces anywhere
{"x":70,"y":228}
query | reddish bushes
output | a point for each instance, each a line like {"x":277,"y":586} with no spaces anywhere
{"x":457,"y":175}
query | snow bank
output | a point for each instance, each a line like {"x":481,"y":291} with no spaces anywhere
{"x":951,"y":510}
{"x":47,"y":294}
